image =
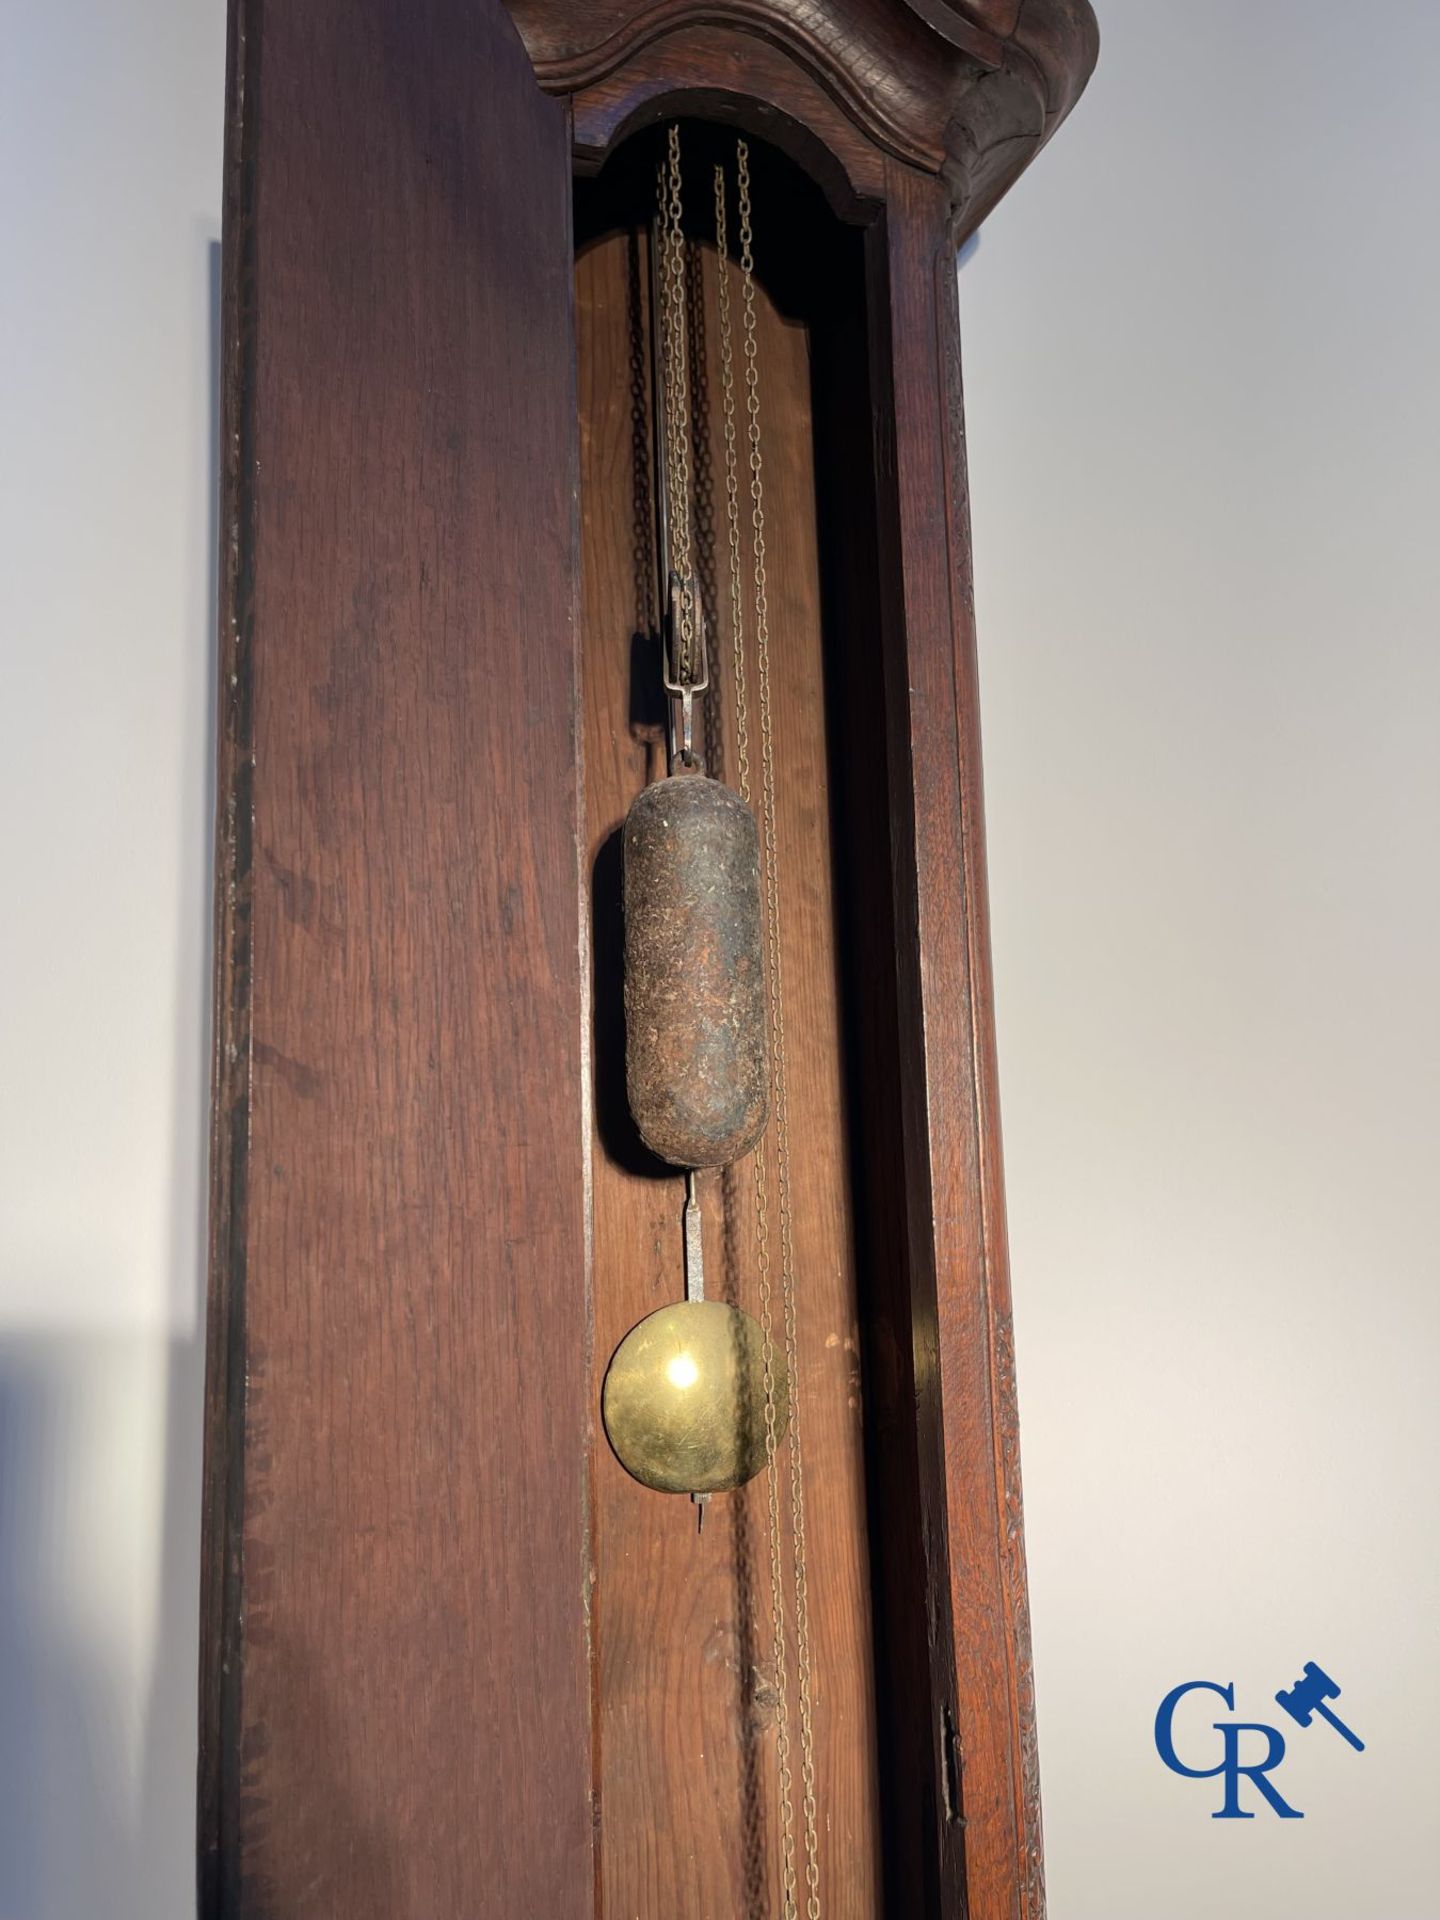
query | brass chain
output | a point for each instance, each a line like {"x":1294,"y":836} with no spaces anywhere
{"x":670,"y":324}
{"x":778,"y":1067}
{"x":671,"y":279}
{"x":788,"y":1870}
{"x":779,"y":1072}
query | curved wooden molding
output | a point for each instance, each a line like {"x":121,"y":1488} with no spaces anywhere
{"x":969,"y":90}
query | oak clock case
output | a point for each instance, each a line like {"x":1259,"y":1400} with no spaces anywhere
{"x":494,"y":275}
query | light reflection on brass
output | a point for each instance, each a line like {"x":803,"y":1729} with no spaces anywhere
{"x":684,"y":1398}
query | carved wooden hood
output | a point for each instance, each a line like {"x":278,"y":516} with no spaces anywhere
{"x":968,"y":91}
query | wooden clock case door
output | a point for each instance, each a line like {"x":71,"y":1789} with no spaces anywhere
{"x":406,"y":1702}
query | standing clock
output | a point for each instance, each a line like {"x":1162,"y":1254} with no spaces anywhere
{"x":613,"y":1503}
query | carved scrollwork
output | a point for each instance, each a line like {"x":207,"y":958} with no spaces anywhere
{"x":970,"y":90}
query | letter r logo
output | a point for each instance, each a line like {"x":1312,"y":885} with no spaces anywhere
{"x":1230,"y":1763}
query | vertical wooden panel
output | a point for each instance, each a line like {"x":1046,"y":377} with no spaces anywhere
{"x":962,"y":1355}
{"x":397,"y":1724}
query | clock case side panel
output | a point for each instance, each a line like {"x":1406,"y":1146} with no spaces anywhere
{"x":962,"y":1351}
{"x":962,"y":1812}
{"x":394,"y":1688}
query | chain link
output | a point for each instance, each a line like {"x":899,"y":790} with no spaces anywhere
{"x":671,"y":279}
{"x":789,"y":1875}
{"x":778,"y":1065}
{"x":670,"y":324}
{"x":732,"y":487}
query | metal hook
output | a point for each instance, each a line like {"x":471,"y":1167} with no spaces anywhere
{"x":682,"y":691}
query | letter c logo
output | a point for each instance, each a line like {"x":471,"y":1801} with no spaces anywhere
{"x":1165,"y":1727}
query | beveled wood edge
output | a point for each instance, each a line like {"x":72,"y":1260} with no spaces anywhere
{"x":961,"y":1313}
{"x":984,"y":1067}
{"x":926,"y":82}
{"x":221,"y":1649}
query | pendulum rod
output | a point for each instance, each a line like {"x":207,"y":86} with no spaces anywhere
{"x":779,"y":1074}
{"x":694,"y":1288}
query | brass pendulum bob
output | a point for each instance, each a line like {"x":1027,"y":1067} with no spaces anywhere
{"x":695,"y":1398}
{"x":684,"y":1400}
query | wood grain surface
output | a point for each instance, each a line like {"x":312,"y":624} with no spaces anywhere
{"x":397,"y":1719}
{"x":685,"y":1685}
{"x":961,"y":1346}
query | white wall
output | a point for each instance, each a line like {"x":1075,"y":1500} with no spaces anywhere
{"x":110,"y":131}
{"x":1204,"y":427}
{"x":1201,"y":354}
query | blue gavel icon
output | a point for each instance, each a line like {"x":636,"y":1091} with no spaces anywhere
{"x":1308,"y":1696}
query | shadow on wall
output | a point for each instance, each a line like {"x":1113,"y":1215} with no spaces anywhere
{"x":88,"y":1824}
